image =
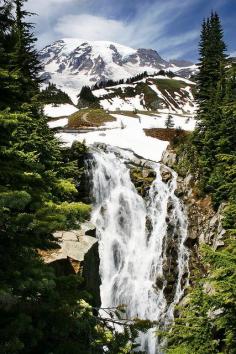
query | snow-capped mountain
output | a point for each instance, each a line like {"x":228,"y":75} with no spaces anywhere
{"x":72,"y":63}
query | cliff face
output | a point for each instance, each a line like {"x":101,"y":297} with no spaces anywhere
{"x":204,"y":223}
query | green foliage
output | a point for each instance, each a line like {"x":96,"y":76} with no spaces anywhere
{"x":87,"y":98}
{"x":16,"y":200}
{"x":169,"y":123}
{"x":53,"y":95}
{"x":206,"y":324}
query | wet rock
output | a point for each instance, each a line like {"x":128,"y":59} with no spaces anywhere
{"x":191,"y":240}
{"x":160,"y":282}
{"x":179,"y":192}
{"x":142,"y":178}
{"x":149,"y":226}
{"x":170,"y":206}
{"x":166,"y":176}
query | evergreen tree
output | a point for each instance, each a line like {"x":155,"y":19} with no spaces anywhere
{"x":212,"y":59}
{"x":87,"y":98}
{"x":8,"y":86}
{"x":53,"y":95}
{"x":169,"y":123}
{"x":211,"y":82}
{"x":206,"y":324}
{"x":24,"y":58}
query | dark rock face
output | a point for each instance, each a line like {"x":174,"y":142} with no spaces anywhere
{"x":181,"y":63}
{"x":99,"y":66}
{"x":116,"y":57}
{"x":170,"y":266}
{"x":45,"y":77}
{"x":149,"y":57}
{"x":146,"y":57}
{"x":91,"y":274}
{"x":91,"y":232}
{"x":64,"y":266}
{"x":80,"y":59}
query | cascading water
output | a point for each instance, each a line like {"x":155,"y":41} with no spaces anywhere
{"x":142,"y":267}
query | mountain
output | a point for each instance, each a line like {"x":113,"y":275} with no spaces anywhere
{"x":152,"y":93}
{"x":72,"y":63}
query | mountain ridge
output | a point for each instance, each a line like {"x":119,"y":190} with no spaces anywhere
{"x":72,"y":63}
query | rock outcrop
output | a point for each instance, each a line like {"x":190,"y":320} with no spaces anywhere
{"x":77,"y":254}
{"x":142,"y":178}
{"x":204,"y":223}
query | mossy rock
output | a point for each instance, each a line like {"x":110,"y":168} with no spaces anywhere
{"x":142,"y":178}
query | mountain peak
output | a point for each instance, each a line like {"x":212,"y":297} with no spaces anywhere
{"x":71,"y":63}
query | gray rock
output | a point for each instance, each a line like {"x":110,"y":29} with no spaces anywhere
{"x":169,"y":158}
{"x":166,"y":174}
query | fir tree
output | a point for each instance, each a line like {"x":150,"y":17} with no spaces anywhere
{"x":169,"y":123}
{"x":24,"y":57}
{"x":87,"y":98}
{"x":211,"y":82}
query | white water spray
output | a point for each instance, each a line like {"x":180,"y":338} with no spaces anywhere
{"x":136,"y":261}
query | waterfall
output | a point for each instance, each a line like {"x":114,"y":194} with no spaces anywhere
{"x":143,"y":267}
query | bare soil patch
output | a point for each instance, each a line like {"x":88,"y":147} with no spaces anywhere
{"x":165,"y":134}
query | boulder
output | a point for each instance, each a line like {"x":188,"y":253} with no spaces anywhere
{"x":169,"y":157}
{"x":166,"y":174}
{"x":142,"y":178}
{"x":74,"y":244}
{"x":77,"y":254}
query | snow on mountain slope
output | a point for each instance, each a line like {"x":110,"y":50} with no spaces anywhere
{"x":72,"y":63}
{"x":155,"y":93}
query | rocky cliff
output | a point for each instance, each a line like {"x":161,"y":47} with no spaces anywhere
{"x":204,"y":223}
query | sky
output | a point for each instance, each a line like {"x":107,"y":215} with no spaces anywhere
{"x":171,"y":27}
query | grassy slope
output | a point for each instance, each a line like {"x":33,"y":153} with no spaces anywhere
{"x":168,"y":87}
{"x":89,"y":118}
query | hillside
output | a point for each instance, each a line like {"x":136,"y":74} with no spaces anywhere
{"x":155,"y":93}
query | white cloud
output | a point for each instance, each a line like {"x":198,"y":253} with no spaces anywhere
{"x":90,"y":27}
{"x":149,"y":28}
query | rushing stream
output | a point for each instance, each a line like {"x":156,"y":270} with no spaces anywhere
{"x":143,"y":260}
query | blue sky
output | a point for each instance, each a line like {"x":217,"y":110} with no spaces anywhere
{"x":171,"y":27}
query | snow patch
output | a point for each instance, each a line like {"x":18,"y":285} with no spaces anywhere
{"x":58,"y":123}
{"x":127,"y":133}
{"x":60,"y":110}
